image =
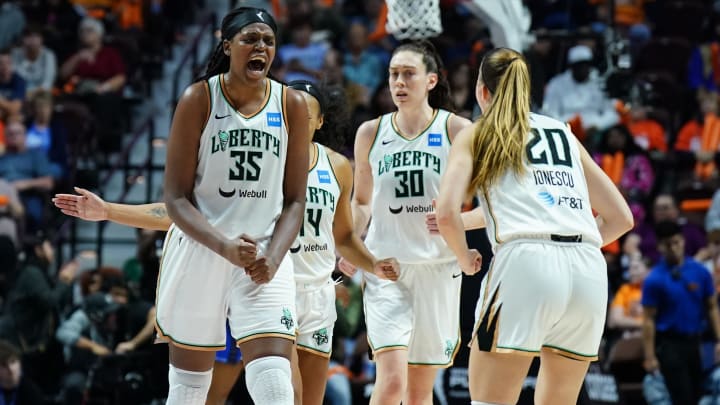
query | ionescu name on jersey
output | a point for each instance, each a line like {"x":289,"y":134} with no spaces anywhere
{"x":245,"y":137}
{"x":413,"y":158}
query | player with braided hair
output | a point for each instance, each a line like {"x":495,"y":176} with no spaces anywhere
{"x":328,"y":225}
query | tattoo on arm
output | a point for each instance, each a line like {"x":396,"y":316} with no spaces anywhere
{"x":158,"y":212}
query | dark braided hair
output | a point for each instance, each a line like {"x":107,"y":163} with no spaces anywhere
{"x":439,"y":96}
{"x":219,"y":62}
{"x":334,"y":111}
{"x":336,"y":118}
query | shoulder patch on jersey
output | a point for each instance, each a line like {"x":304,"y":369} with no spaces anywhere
{"x":434,"y":139}
{"x":274,"y":119}
{"x":323,"y":176}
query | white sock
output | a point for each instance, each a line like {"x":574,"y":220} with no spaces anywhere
{"x":269,"y":381}
{"x":481,"y":403}
{"x":188,"y":387}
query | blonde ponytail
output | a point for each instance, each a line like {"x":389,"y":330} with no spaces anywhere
{"x":499,"y":139}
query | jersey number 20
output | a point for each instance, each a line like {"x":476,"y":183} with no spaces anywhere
{"x":536,"y":150}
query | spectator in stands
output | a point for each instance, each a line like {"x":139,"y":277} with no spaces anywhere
{"x":303,"y":57}
{"x":29,"y":170}
{"x":15,"y":386}
{"x":34,"y":299}
{"x":678,"y":298}
{"x":12,"y":87}
{"x":665,"y":208}
{"x":647,"y":132}
{"x":626,"y":307}
{"x":577,"y":94}
{"x":89,"y":333}
{"x":627,"y":166}
{"x":95,"y":68}
{"x":12,"y":23}
{"x":45,"y":133}
{"x":698,"y":142}
{"x":11,"y":212}
{"x":361,"y":66}
{"x":34,"y":62}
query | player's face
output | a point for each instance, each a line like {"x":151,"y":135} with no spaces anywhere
{"x":315,"y":119}
{"x":409,"y":80}
{"x":251,"y":51}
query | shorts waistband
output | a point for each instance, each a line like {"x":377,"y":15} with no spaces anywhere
{"x":553,"y":237}
{"x":312,"y":285}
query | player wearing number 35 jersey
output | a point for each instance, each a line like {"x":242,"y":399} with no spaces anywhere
{"x":546,"y":291}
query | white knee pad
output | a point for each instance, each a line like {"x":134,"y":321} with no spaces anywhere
{"x":269,"y":381}
{"x":188,"y":387}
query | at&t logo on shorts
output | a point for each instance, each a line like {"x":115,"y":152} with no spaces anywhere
{"x":274,"y":119}
{"x":323,"y":176}
{"x":434,"y":139}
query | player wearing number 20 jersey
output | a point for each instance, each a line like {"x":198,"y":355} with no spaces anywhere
{"x":419,"y":311}
{"x":538,"y":222}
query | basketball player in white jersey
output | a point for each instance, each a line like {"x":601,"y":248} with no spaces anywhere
{"x":546,"y":291}
{"x":327,"y":225}
{"x":235,"y":191}
{"x":412,"y":324}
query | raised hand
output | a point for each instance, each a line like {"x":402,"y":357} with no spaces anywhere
{"x":241,"y":251}
{"x":87,"y":205}
{"x":388,"y":269}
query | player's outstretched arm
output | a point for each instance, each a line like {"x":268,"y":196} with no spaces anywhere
{"x":90,"y":207}
{"x":347,"y":242}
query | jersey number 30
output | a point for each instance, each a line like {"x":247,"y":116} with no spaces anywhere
{"x":536,"y":149}
{"x":411,"y":183}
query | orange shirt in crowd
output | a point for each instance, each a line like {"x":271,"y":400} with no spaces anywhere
{"x":628,"y":297}
{"x":649,"y":135}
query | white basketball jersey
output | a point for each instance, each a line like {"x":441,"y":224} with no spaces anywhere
{"x":551,"y":197}
{"x":313,"y":252}
{"x":241,"y":164}
{"x":406,"y":178}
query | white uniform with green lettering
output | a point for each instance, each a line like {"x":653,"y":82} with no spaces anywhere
{"x":239,"y":189}
{"x":419,"y":312}
{"x":547,"y":285}
{"x":313,"y":255}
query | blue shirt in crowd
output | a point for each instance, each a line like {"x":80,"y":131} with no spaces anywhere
{"x":30,"y":164}
{"x":679,"y":294}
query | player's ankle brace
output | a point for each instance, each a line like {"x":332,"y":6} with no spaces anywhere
{"x":269,"y":381}
{"x":188,"y":387}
